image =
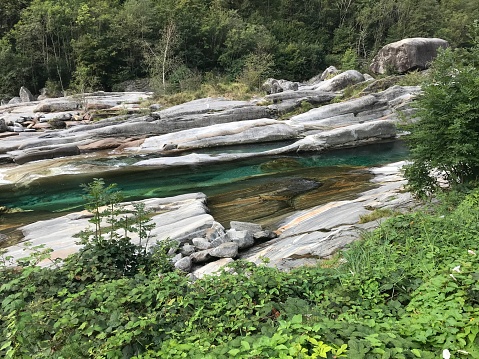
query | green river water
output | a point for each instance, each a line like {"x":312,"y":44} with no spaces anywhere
{"x":261,"y":189}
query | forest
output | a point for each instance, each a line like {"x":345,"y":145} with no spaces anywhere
{"x":99,"y":44}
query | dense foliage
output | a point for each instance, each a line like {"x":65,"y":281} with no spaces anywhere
{"x":68,"y":44}
{"x":444,"y":142}
{"x":408,"y":290}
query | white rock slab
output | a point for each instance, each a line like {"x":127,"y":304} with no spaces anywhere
{"x":182,"y":217}
{"x":212,"y":268}
{"x":251,"y":131}
{"x":203,"y":105}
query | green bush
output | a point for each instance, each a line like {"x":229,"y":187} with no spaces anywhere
{"x":444,"y":142}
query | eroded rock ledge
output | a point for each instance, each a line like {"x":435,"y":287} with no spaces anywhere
{"x":207,"y":123}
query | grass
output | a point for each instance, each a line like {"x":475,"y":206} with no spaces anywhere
{"x":305,"y":106}
{"x":376,"y":214}
{"x":352,"y":91}
{"x":213,"y":88}
{"x":414,"y":78}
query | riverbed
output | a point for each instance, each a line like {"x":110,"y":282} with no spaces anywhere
{"x":261,"y":190}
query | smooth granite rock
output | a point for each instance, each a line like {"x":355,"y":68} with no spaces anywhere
{"x":171,"y":123}
{"x":184,"y":264}
{"x":26,"y":95}
{"x":352,"y":135}
{"x":187,"y":249}
{"x":183,"y":217}
{"x":200,"y":106}
{"x":407,"y":55}
{"x":201,"y":243}
{"x":225,"y":250}
{"x":262,"y":130}
{"x":309,"y":235}
{"x":244,"y":239}
{"x":245,"y":226}
{"x":340,"y":81}
{"x":201,"y":256}
{"x":42,"y":153}
{"x":211,"y":268}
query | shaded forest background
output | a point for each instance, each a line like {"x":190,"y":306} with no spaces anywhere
{"x":78,"y":44}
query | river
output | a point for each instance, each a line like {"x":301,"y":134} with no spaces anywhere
{"x":262,"y":189}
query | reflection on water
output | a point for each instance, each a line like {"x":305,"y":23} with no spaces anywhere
{"x":259,"y":188}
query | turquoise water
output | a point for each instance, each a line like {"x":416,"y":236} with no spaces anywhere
{"x":63,"y":193}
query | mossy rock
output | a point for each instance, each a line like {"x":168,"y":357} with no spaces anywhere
{"x":381,"y":84}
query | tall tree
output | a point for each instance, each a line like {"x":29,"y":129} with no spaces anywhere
{"x":10,"y":13}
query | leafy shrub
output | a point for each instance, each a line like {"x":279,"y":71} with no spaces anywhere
{"x":414,"y":78}
{"x":349,"y":60}
{"x":108,"y":251}
{"x":444,"y":141}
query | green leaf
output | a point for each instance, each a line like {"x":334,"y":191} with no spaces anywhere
{"x":297,"y":319}
{"x":6,"y":345}
{"x":234,"y":352}
{"x":416,"y":352}
{"x":245,"y":345}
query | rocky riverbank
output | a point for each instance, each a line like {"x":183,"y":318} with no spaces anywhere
{"x":51,"y":137}
{"x":205,"y":245}
{"x":200,"y":124}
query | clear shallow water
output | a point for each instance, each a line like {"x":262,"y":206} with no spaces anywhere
{"x":288,"y":173}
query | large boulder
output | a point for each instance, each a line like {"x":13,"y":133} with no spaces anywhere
{"x":407,"y":55}
{"x":26,"y":95}
{"x":341,"y":81}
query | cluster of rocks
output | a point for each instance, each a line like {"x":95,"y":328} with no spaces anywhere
{"x":192,"y":255}
{"x":25,"y":114}
{"x":395,"y":58}
{"x":272,"y":86}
